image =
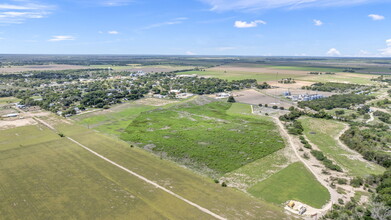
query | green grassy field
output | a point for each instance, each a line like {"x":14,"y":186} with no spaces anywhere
{"x":292,"y":183}
{"x":112,"y":122}
{"x":326,"y":131}
{"x":44,"y":176}
{"x":252,"y":173}
{"x":205,"y":136}
{"x":8,"y":100}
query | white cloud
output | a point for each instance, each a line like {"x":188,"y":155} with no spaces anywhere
{"x":317,"y":22}
{"x":387,"y":51}
{"x":114,"y":3}
{"x":62,"y":38}
{"x":228,"y":5}
{"x":167,"y":23}
{"x":113,"y":32}
{"x":244,"y":24}
{"x":190,"y":53}
{"x":21,"y":10}
{"x":376,"y":17}
{"x":333,"y":52}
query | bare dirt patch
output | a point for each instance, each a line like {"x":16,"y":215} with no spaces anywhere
{"x":16,"y":69}
{"x":154,"y":102}
{"x":254,"y":97}
{"x":7,"y":124}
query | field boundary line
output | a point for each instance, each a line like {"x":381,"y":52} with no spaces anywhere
{"x":207,"y":211}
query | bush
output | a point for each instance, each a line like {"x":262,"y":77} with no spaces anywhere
{"x":282,"y":108}
{"x":342,"y":181}
{"x":340,"y":201}
{"x":223,"y":184}
{"x":216,"y":181}
{"x":61,"y":135}
{"x":308,"y":146}
{"x":356,"y":182}
{"x":275,"y":107}
{"x":231,"y":99}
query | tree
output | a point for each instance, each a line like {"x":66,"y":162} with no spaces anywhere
{"x":231,"y":99}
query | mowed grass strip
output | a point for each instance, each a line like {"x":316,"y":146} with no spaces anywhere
{"x":322,"y":133}
{"x":205,"y":135}
{"x":56,"y":179}
{"x":292,"y":183}
{"x":113,"y":122}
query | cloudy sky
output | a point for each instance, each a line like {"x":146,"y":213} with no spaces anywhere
{"x":197,"y":27}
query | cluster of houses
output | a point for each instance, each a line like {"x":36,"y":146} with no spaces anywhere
{"x":302,"y":97}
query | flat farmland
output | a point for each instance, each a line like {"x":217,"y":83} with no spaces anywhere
{"x":267,"y":73}
{"x":147,"y":69}
{"x":16,"y":69}
{"x":44,"y":176}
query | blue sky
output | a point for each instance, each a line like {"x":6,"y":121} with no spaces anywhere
{"x":197,"y":27}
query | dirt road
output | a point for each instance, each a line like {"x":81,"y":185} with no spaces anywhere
{"x":137,"y":175}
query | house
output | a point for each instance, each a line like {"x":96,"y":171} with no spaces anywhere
{"x":222,"y":95}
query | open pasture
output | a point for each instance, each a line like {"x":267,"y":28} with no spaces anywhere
{"x":294,"y":182}
{"x":204,"y":136}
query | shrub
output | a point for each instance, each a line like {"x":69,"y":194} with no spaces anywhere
{"x":308,"y":146}
{"x":275,"y":107}
{"x":223,"y":184}
{"x":340,"y":201}
{"x":61,"y":135}
{"x":342,"y":181}
{"x":216,"y":181}
{"x":356,"y":182}
{"x":231,"y":99}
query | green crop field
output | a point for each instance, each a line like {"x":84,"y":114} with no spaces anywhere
{"x":322,"y":133}
{"x":44,"y":176}
{"x":292,"y":183}
{"x":205,"y":135}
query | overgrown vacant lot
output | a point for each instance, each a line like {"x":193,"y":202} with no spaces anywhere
{"x":292,"y":183}
{"x":205,"y":135}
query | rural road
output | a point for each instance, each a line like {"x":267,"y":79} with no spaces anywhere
{"x":137,"y":175}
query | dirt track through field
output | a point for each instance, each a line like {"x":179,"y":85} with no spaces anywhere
{"x":207,"y":211}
